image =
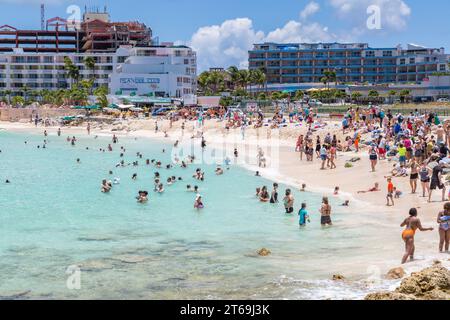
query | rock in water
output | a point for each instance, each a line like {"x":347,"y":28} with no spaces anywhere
{"x":338,"y":277}
{"x":429,"y":284}
{"x":396,"y":273}
{"x":264,"y":252}
{"x":130,"y":258}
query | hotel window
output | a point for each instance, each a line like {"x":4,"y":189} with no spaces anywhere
{"x":370,"y":53}
{"x":402,"y":61}
{"x":186,"y":61}
{"x":48,"y":59}
{"x":387,"y":53}
{"x":442,"y":67}
{"x":412,"y":60}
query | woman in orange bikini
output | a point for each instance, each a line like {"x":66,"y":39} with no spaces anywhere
{"x":412,"y":223}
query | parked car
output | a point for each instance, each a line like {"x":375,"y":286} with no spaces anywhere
{"x":315,"y":103}
{"x":443,"y":100}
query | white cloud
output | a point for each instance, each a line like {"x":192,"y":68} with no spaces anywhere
{"x":225,"y":44}
{"x":294,"y":32}
{"x":394,"y":13}
{"x":310,"y":9}
{"x":228,"y":44}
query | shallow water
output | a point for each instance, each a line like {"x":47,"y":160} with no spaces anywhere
{"x":53,"y":216}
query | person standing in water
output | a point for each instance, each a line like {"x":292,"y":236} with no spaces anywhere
{"x":88,"y":128}
{"x":412,"y":223}
{"x":289,"y":202}
{"x":59,"y":132}
{"x":444,"y":228}
{"x":325,"y":211}
{"x":274,"y":195}
{"x":303,"y":216}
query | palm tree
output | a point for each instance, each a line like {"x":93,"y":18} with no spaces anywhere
{"x":18,"y":101}
{"x":25,"y":91}
{"x":328,"y":76}
{"x":374,"y":94}
{"x":216,"y":79}
{"x":244,"y":79}
{"x":203,"y":81}
{"x":392,"y":95}
{"x":262,"y":96}
{"x":257,"y":77}
{"x":89,"y":63}
{"x":8,"y":94}
{"x":276,"y":96}
{"x":299,"y":94}
{"x":356,"y":95}
{"x":101,"y":94}
{"x":404,"y":94}
{"x":72,"y":70}
{"x":341,"y":95}
{"x":233,"y":71}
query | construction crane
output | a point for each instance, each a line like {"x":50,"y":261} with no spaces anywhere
{"x":42,"y":16}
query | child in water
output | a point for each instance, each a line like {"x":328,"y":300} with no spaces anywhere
{"x":303,"y":216}
{"x":142,"y":197}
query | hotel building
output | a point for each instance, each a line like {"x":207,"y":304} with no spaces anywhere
{"x":353,"y":63}
{"x":123,"y":51}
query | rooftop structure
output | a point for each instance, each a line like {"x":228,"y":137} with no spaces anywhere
{"x":94,"y":34}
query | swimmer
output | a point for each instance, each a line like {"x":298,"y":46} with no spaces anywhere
{"x":134,"y":177}
{"x":169,"y":181}
{"x":219,"y":171}
{"x":303,"y":189}
{"x":346,"y":203}
{"x":257,"y":174}
{"x":7,"y":181}
{"x":142,"y":197}
{"x":188,"y":188}
{"x":336,"y":191}
{"x":106,"y":186}
{"x":412,"y":223}
{"x":78,"y":160}
{"x":160,"y":188}
{"x":264,"y":195}
{"x":116,"y":181}
{"x":198,"y":204}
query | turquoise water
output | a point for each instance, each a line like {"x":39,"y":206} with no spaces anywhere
{"x":53,"y":216}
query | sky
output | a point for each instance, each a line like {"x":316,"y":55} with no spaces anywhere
{"x":222,"y":32}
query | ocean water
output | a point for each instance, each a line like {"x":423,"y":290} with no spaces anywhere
{"x":54,"y":219}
